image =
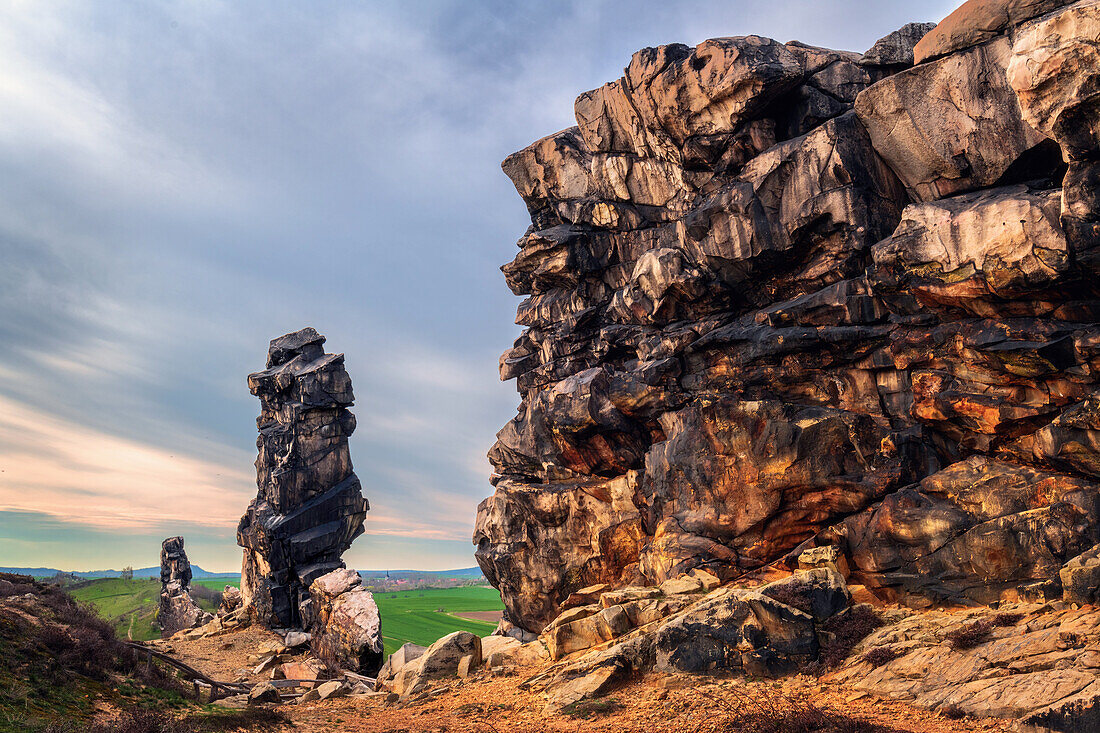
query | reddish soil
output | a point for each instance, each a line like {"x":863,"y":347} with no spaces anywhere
{"x":653,"y":704}
{"x":703,"y":704}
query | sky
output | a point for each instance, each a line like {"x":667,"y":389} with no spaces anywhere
{"x":181,"y":182}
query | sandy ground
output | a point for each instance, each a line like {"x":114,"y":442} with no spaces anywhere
{"x":703,"y":704}
{"x":223,"y":657}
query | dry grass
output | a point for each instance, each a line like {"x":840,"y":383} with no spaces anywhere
{"x":970,"y":635}
{"x":880,"y":655}
{"x":844,"y":631}
{"x":771,"y":711}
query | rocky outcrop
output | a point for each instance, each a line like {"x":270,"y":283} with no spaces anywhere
{"x":310,"y":504}
{"x":765,"y":631}
{"x":177,"y":611}
{"x":780,"y":297}
{"x":1030,"y":663}
{"x":977,"y":21}
{"x":409,"y":671}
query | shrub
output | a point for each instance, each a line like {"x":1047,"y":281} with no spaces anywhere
{"x":843,"y":632}
{"x":970,"y":635}
{"x":880,"y":655}
{"x":794,"y":594}
{"x":1007,"y":619}
{"x":202,"y":593}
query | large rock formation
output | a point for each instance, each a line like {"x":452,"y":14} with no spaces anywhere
{"x":177,"y":610}
{"x":310,"y":504}
{"x":779,"y":296}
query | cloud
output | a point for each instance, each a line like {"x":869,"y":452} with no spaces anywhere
{"x":82,"y":476}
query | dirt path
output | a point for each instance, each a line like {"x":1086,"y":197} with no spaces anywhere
{"x":492,"y":617}
{"x":223,"y":658}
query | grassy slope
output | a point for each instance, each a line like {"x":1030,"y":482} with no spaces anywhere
{"x":131,"y":605}
{"x":413,"y":615}
{"x":217,"y":584}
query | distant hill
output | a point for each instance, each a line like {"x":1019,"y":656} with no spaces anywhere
{"x":153,"y":572}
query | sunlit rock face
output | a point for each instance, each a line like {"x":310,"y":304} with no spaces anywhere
{"x":779,"y":295}
{"x":310,"y":504}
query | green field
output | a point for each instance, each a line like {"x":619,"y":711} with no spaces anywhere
{"x":411,"y":615}
{"x":414,"y":615}
{"x":217,"y":584}
{"x":131,"y":605}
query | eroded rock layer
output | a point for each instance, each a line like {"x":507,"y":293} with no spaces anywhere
{"x":779,"y":295}
{"x":310,"y":504}
{"x":176,"y":610}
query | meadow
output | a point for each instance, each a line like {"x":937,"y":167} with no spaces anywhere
{"x":420,"y":616}
{"x":131,"y":605}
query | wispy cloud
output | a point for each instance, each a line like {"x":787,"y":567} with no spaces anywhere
{"x":86,"y":477}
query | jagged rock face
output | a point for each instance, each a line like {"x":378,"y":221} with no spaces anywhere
{"x":779,"y":295}
{"x":177,"y":610}
{"x":310,"y":504}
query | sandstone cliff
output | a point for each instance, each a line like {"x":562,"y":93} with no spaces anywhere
{"x":780,"y":296}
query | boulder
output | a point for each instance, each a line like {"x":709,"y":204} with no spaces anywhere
{"x":1081,"y":577}
{"x":977,"y":250}
{"x":978,"y":21}
{"x":466,"y":665}
{"x":331,"y":689}
{"x":309,"y":506}
{"x":347,"y":628}
{"x":498,"y":644}
{"x":739,"y":630}
{"x":297,"y":638}
{"x":231,"y":600}
{"x":263,"y":693}
{"x":895,"y":50}
{"x":309,"y":669}
{"x":949,"y":126}
{"x":820,"y":592}
{"x":410,"y":672}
